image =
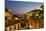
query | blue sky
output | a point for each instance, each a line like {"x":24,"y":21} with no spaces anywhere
{"x":20,"y":7}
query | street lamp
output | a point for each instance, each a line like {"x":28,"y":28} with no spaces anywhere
{"x":16,"y":18}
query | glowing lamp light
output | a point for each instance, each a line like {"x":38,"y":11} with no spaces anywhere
{"x":36,"y":14}
{"x":30,"y":26}
{"x":16,"y":18}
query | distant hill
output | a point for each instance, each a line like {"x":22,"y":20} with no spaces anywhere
{"x":36,"y":14}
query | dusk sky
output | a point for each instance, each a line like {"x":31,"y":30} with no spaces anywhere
{"x":20,"y":7}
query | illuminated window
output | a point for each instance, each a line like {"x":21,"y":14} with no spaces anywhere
{"x":37,"y":15}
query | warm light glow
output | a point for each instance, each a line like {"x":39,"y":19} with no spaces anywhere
{"x":30,"y":26}
{"x":16,"y":18}
{"x":36,"y":14}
